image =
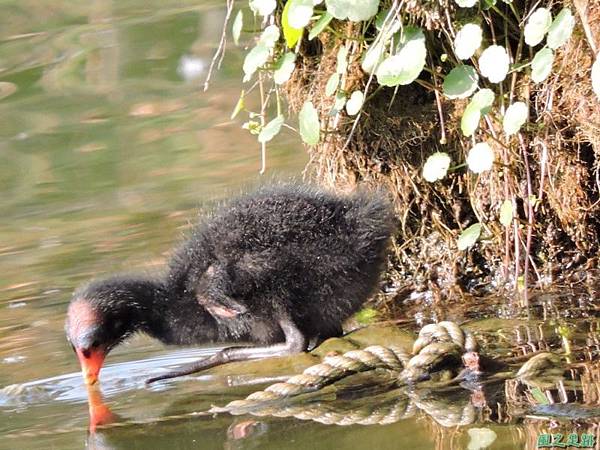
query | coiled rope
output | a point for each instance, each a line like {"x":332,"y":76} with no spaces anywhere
{"x":440,"y":343}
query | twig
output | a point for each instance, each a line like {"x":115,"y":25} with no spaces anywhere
{"x":220,"y":52}
{"x":529,"y":223}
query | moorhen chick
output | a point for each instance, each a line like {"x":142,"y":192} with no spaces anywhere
{"x":279,"y":268}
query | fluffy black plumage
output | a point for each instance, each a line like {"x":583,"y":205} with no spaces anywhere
{"x":285,"y":264}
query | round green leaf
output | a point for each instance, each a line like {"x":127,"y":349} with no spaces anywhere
{"x":541,"y":65}
{"x":514,"y":117}
{"x":292,"y":35}
{"x":236,"y":28}
{"x":255,"y":58}
{"x":436,"y":166}
{"x":561,"y":29}
{"x":480,"y":158}
{"x":310,"y":127}
{"x":483,"y":99}
{"x":269,"y":36}
{"x":506,"y":213}
{"x":285,"y":67}
{"x":332,"y":84}
{"x":469,"y":236}
{"x":537,"y":26}
{"x":478,"y":106}
{"x":470,"y":119}
{"x":461,"y":82}
{"x":262,"y":7}
{"x":355,"y":103}
{"x":372,"y":57}
{"x":404,"y":67}
{"x":300,"y":13}
{"x":320,"y":25}
{"x":468,"y":40}
{"x":271,"y":129}
{"x":354,"y":10}
{"x":596,"y":76}
{"x":338,"y":103}
{"x":466,"y":3}
{"x":494,"y":63}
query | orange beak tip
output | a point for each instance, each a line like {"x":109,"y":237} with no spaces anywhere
{"x":91,"y":363}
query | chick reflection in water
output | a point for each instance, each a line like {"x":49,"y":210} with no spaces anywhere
{"x":100,"y":413}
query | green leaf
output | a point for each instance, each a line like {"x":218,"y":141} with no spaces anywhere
{"x":236,"y":28}
{"x":514,"y":118}
{"x":470,"y":119}
{"x":537,"y":26}
{"x":494,"y":63}
{"x":480,"y":158}
{"x":479,"y":105}
{"x":262,"y":7}
{"x":405,"y":66}
{"x":255,"y":58}
{"x":506,"y":213}
{"x":366,"y":316}
{"x":300,"y":13}
{"x":292,"y":35}
{"x":372,"y":57}
{"x":436,"y":166}
{"x":271,"y":129}
{"x":484,"y":99}
{"x":269,"y":36}
{"x":332,"y":84}
{"x":596,"y":76}
{"x":240,"y":105}
{"x":561,"y":29}
{"x":355,"y":103}
{"x":469,"y":236}
{"x":541,"y":65}
{"x":353,"y":10}
{"x":338,"y":104}
{"x":342,"y":60}
{"x":461,"y":82}
{"x":466,"y":3}
{"x":310,"y":127}
{"x":320,"y":25}
{"x":285,"y":66}
{"x":468,"y":40}
{"x":487,"y":4}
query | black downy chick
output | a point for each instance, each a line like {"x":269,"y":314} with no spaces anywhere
{"x":277,"y":268}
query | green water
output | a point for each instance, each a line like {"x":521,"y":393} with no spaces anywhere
{"x":107,"y":152}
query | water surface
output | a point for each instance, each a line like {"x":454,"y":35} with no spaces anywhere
{"x":108,"y":149}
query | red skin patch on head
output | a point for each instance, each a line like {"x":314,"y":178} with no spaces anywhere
{"x":81,"y":317}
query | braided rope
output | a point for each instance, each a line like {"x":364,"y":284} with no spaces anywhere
{"x":332,"y":368}
{"x":435,"y":344}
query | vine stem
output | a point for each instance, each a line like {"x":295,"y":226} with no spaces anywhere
{"x":394,"y":9}
{"x":220,"y":52}
{"x":529,"y":223}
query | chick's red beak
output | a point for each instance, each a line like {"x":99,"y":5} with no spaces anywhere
{"x":91,"y":362}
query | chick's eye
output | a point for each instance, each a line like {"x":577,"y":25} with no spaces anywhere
{"x":95,"y":344}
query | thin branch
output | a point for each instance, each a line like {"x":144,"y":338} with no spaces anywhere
{"x":220,"y":52}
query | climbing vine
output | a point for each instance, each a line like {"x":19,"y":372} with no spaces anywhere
{"x":486,"y":56}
